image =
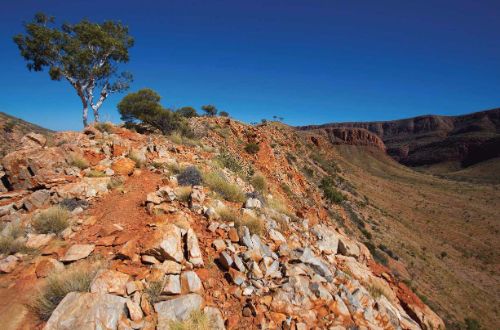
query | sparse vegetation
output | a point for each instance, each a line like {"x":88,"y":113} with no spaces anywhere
{"x":210,"y":110}
{"x":75,"y":278}
{"x":95,"y":174}
{"x":154,"y":290}
{"x":197,"y":320}
{"x":136,"y":157}
{"x":229,"y":161}
{"x":115,"y":183}
{"x":220,"y":185}
{"x":183,"y":194}
{"x":259,"y":183}
{"x":227,"y":214}
{"x":52,"y":220}
{"x":191,"y":176}
{"x":187,"y":112}
{"x":77,"y":160}
{"x":330,"y":192}
{"x":254,"y":224}
{"x":252,"y":148}
{"x":11,"y":241}
{"x":104,"y":127}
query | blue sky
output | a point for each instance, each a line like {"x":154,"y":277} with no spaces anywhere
{"x":308,"y":61}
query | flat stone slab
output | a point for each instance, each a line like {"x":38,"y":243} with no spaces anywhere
{"x":177,"y":309}
{"x":77,"y":252}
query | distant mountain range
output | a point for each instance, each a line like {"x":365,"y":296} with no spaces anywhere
{"x":426,"y":140}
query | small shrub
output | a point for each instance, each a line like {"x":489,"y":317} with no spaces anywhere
{"x":95,"y":174}
{"x":154,"y":290}
{"x":288,"y":191}
{"x":375,"y":291}
{"x":278,"y":205}
{"x":104,"y":127}
{"x":230,"y":162}
{"x":330,"y":192}
{"x":75,"y":278}
{"x":10,"y":242}
{"x":220,"y":185}
{"x":136,"y":157}
{"x":259,"y":183}
{"x":377,"y":255}
{"x":197,"y":320}
{"x":9,"y":126}
{"x":78,"y":161}
{"x":252,"y":148}
{"x":51,"y":220}
{"x":472,"y":324}
{"x":224,"y":114}
{"x":308,"y":172}
{"x":191,"y":176}
{"x":255,"y":225}
{"x":174,"y":168}
{"x":183,"y":194}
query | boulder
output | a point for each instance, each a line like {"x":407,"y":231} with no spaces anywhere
{"x":172,"y":285}
{"x":178,"y":309}
{"x":36,"y":241}
{"x":193,"y":249}
{"x":253,"y":203}
{"x":8,"y":264}
{"x":165,"y":244}
{"x":77,"y":252}
{"x":169,"y":267}
{"x":36,"y":200}
{"x":328,"y":239}
{"x":215,"y":317}
{"x":33,"y":140}
{"x":110,"y":281}
{"x":190,"y":282}
{"x":47,"y":266}
{"x":307,"y":257}
{"x":134,"y":310}
{"x":87,"y":311}
{"x":348,"y":248}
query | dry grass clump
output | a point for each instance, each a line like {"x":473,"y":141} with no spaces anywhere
{"x":95,"y":174}
{"x":259,"y":183}
{"x":178,"y":138}
{"x":278,"y":205}
{"x":78,"y":161}
{"x":183,"y":193}
{"x":154,"y":290}
{"x":220,"y":185}
{"x":104,"y":127}
{"x":376,"y":291}
{"x":75,"y":278}
{"x":11,"y":242}
{"x":255,"y":225}
{"x":227,"y":214}
{"x":52,"y":220}
{"x":115,"y":182}
{"x":197,"y":320}
{"x":136,"y":157}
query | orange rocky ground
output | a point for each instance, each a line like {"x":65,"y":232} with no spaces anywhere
{"x":279,"y":263}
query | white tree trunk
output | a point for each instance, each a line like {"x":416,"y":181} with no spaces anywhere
{"x":85,"y":115}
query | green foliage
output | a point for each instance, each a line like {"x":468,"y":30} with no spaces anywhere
{"x":144,"y":106}
{"x":210,"y":110}
{"x":191,"y":176}
{"x":472,"y":324}
{"x":86,"y":54}
{"x":187,"y":112}
{"x":224,"y":114}
{"x":229,"y":161}
{"x":330,"y":192}
{"x":76,"y":278}
{"x":377,"y":255}
{"x":52,"y":220}
{"x":259,"y":183}
{"x":220,"y":185}
{"x":328,"y":166}
{"x":252,"y":148}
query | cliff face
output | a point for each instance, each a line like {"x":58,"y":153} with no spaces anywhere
{"x":433,"y":139}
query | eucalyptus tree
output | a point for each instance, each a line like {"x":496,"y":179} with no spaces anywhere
{"x":86,"y":54}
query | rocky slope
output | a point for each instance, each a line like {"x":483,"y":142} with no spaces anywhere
{"x":12,"y":129}
{"x":249,"y":243}
{"x":426,"y":140}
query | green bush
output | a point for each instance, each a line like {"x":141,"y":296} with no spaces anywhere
{"x":191,"y":176}
{"x":220,"y":185}
{"x":330,"y":192}
{"x":144,"y":107}
{"x":252,"y":148}
{"x":227,"y":160}
{"x":51,"y":220}
{"x":187,"y":112}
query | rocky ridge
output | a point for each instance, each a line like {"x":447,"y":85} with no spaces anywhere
{"x":170,"y":249}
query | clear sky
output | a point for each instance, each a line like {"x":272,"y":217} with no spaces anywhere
{"x":308,"y":61}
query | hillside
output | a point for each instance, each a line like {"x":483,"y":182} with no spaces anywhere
{"x":170,"y":232}
{"x":12,"y":129}
{"x":460,"y":141}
